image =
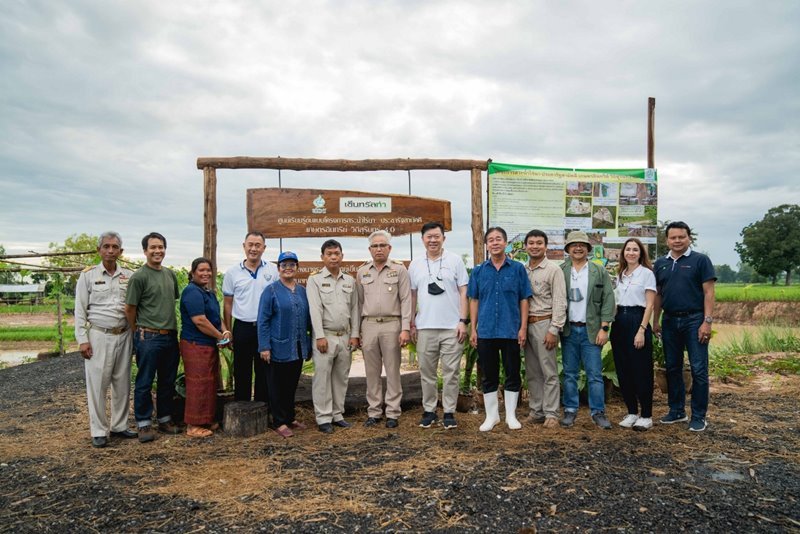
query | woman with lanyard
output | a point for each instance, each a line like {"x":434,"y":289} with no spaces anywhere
{"x":631,"y":335}
{"x":284,"y":341}
{"x":202,"y":332}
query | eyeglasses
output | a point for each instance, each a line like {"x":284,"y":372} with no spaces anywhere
{"x":288,"y":265}
{"x":379,"y":245}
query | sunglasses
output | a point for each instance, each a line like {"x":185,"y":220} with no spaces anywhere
{"x":288,"y":265}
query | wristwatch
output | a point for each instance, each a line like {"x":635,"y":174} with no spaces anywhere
{"x":709,"y":319}
{"x":604,"y":328}
{"x":465,"y":321}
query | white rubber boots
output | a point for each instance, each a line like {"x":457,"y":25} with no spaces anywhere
{"x":493,"y":411}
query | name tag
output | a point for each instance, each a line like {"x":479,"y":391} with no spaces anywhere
{"x":100,"y":283}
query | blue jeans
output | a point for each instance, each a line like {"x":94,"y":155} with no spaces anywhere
{"x":576,"y":348}
{"x":679,"y":333}
{"x":155,"y":354}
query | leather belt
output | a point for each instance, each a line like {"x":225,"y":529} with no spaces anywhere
{"x":154,"y":330}
{"x":113,"y":331}
{"x":576,"y":323}
{"x":336,"y":333}
{"x":383,"y":318}
{"x":683,"y":313}
{"x":534,"y":319}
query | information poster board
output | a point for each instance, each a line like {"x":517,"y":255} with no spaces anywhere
{"x":610,"y":205}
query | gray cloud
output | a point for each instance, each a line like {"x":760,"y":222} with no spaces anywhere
{"x":104,"y":106}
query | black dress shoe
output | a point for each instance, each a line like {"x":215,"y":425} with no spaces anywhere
{"x":342,"y":424}
{"x":99,"y":442}
{"x":391,"y":423}
{"x":125,"y":434}
{"x":372,"y":421}
{"x":326,"y":428}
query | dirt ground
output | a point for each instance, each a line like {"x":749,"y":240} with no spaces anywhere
{"x":742,"y":474}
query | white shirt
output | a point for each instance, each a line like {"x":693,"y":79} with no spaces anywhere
{"x":438,"y":311}
{"x":246,"y":287}
{"x":580,"y":280}
{"x":631,"y":288}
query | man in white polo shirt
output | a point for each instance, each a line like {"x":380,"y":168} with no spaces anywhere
{"x":241,"y":288}
{"x":439,"y":327}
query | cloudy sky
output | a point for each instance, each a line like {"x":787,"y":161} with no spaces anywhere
{"x":106,"y":105}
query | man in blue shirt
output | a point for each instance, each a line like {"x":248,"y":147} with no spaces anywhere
{"x":685,"y":292}
{"x":498,"y":291}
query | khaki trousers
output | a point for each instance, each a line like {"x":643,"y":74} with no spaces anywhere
{"x":434,"y":344}
{"x":110,"y":365}
{"x":381,"y":348}
{"x":541,"y":372}
{"x":329,"y":383}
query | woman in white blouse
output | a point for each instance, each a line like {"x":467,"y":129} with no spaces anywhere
{"x":631,"y":335}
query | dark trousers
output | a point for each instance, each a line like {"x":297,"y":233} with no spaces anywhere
{"x":245,"y":358}
{"x":156,"y":355}
{"x":634,"y":366}
{"x":282,"y":379}
{"x":680,"y":333}
{"x":489,"y":353}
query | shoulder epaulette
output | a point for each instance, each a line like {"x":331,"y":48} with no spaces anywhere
{"x":398,"y":262}
{"x":367,"y":262}
{"x":88,"y":268}
{"x":315,"y":272}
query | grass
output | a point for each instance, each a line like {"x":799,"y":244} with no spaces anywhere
{"x":756,"y":293}
{"x":36,"y":333}
{"x":734,"y":358}
{"x":49,"y":306}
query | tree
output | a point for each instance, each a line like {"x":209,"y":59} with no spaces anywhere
{"x":771,"y":244}
{"x":725,"y":275}
{"x":74,"y":243}
{"x":748,"y":275}
{"x":6,"y":277}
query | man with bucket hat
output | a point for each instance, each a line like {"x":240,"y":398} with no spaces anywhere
{"x":590,"y":310}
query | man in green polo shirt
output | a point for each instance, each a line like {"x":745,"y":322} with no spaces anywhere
{"x":150,"y":309}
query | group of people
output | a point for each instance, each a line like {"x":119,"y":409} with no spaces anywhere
{"x":276,"y":323}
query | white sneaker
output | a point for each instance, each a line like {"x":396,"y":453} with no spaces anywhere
{"x":643,"y":423}
{"x":629,"y":420}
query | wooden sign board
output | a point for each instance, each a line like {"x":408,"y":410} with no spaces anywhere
{"x":305,"y":268}
{"x":280,"y":212}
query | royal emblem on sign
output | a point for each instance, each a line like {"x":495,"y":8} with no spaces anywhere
{"x":319,"y":205}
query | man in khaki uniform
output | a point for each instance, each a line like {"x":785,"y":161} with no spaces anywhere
{"x":384,"y":296}
{"x":547,"y":313}
{"x":105,"y":340}
{"x":333,"y":304}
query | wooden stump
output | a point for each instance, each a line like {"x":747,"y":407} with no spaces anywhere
{"x":244,"y":419}
{"x":356,"y":397}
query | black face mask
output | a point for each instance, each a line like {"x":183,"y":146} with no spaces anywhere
{"x":434,"y":289}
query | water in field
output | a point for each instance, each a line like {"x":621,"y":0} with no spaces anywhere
{"x":723,"y":333}
{"x":16,"y":357}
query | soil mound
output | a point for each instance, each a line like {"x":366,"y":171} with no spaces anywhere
{"x":773,"y":313}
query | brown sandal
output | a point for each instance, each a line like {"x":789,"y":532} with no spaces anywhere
{"x":198,"y":432}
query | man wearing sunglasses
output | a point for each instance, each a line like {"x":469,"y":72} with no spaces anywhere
{"x":384,"y":297}
{"x":439,"y":299}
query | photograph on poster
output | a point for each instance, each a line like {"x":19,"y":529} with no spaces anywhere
{"x":604,"y":217}
{"x":578,"y":206}
{"x":579,"y":189}
{"x":643,"y":194}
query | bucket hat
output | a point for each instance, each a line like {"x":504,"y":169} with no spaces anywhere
{"x":577,"y":236}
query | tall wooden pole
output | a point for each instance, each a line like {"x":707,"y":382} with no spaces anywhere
{"x":651,"y":133}
{"x":477,"y":216}
{"x":210,"y":219}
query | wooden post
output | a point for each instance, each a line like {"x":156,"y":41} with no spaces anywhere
{"x":477,"y":217}
{"x":210,"y":219}
{"x":60,"y":326}
{"x":651,"y":133}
